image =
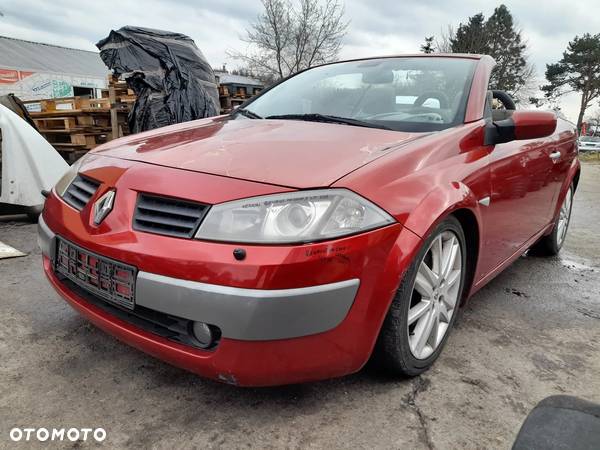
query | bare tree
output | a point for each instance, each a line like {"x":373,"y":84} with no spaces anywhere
{"x":288,"y":37}
{"x":523,"y":92}
{"x":593,"y":121}
{"x":443,"y":43}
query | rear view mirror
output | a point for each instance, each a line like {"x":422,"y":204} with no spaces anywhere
{"x":522,"y":125}
{"x":378,"y":76}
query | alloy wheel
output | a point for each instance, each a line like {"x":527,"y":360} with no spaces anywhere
{"x":434,"y":295}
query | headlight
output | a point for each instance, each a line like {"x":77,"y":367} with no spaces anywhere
{"x":68,"y":177}
{"x":303,"y":216}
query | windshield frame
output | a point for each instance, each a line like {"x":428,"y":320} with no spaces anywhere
{"x":396,"y":125}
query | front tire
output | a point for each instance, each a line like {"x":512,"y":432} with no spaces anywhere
{"x":425,"y":306}
{"x":550,"y":245}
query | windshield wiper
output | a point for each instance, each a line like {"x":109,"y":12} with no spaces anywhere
{"x":316,"y":117}
{"x":247,"y":113}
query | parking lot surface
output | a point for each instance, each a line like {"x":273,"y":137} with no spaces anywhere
{"x":532,"y":332}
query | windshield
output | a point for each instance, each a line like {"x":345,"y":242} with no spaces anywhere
{"x":589,"y":138}
{"x":404,"y":94}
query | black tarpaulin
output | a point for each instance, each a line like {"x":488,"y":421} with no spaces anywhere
{"x":173,"y":81}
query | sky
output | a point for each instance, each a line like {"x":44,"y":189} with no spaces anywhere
{"x":377,"y":27}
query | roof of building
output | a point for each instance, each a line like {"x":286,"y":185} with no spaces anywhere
{"x":228,"y":78}
{"x":30,"y":56}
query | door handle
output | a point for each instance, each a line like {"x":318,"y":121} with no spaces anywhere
{"x":555,"y":156}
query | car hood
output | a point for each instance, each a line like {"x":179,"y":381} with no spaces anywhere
{"x":281,"y":152}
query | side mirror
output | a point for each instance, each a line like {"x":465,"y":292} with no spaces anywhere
{"x":521,"y":125}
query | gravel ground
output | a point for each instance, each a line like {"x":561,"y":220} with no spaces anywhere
{"x":532,"y":332}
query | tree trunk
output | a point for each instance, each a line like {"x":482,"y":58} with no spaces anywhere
{"x":582,"y":109}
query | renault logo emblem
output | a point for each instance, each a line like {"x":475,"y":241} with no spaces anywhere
{"x":103,"y":206}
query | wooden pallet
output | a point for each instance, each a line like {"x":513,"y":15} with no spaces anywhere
{"x":69,"y":112}
{"x":122,"y":92}
{"x":223,"y":91}
{"x":72,"y":121}
{"x":54,"y":123}
{"x":66,"y":138}
{"x":75,"y":125}
{"x":121,"y":100}
{"x":53,"y":105}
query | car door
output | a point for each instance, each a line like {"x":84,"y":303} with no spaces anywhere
{"x":564,"y":150}
{"x":521,"y":198}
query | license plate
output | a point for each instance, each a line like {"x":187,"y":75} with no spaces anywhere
{"x":106,"y":278}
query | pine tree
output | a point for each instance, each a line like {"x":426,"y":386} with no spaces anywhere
{"x":506,"y":46}
{"x":577,"y":71}
{"x":498,"y":37}
{"x":471,"y":37}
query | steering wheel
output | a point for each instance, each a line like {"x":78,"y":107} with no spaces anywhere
{"x":504,"y":98}
{"x":442,"y":98}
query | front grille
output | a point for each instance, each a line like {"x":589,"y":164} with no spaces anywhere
{"x":108,"y":279}
{"x":168,"y":216}
{"x":80,"y":191}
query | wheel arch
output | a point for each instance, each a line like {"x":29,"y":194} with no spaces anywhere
{"x":576,"y":178}
{"x":572,"y":178}
{"x":468,"y":221}
{"x":470,"y":225}
{"x":459,"y":201}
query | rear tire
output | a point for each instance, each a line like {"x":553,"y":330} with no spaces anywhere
{"x":550,"y":245}
{"x":33,"y":212}
{"x":428,"y":298}
{"x":33,"y":216}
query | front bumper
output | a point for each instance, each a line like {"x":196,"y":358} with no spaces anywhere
{"x":589,"y":148}
{"x":240,"y":313}
{"x":287,"y":314}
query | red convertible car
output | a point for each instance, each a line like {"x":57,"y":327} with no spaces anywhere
{"x":343,"y":214}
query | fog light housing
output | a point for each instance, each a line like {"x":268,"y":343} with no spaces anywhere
{"x":204,"y":334}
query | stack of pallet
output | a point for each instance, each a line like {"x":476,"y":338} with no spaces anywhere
{"x":121,"y":99}
{"x":73,"y":125}
{"x":229,"y":99}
